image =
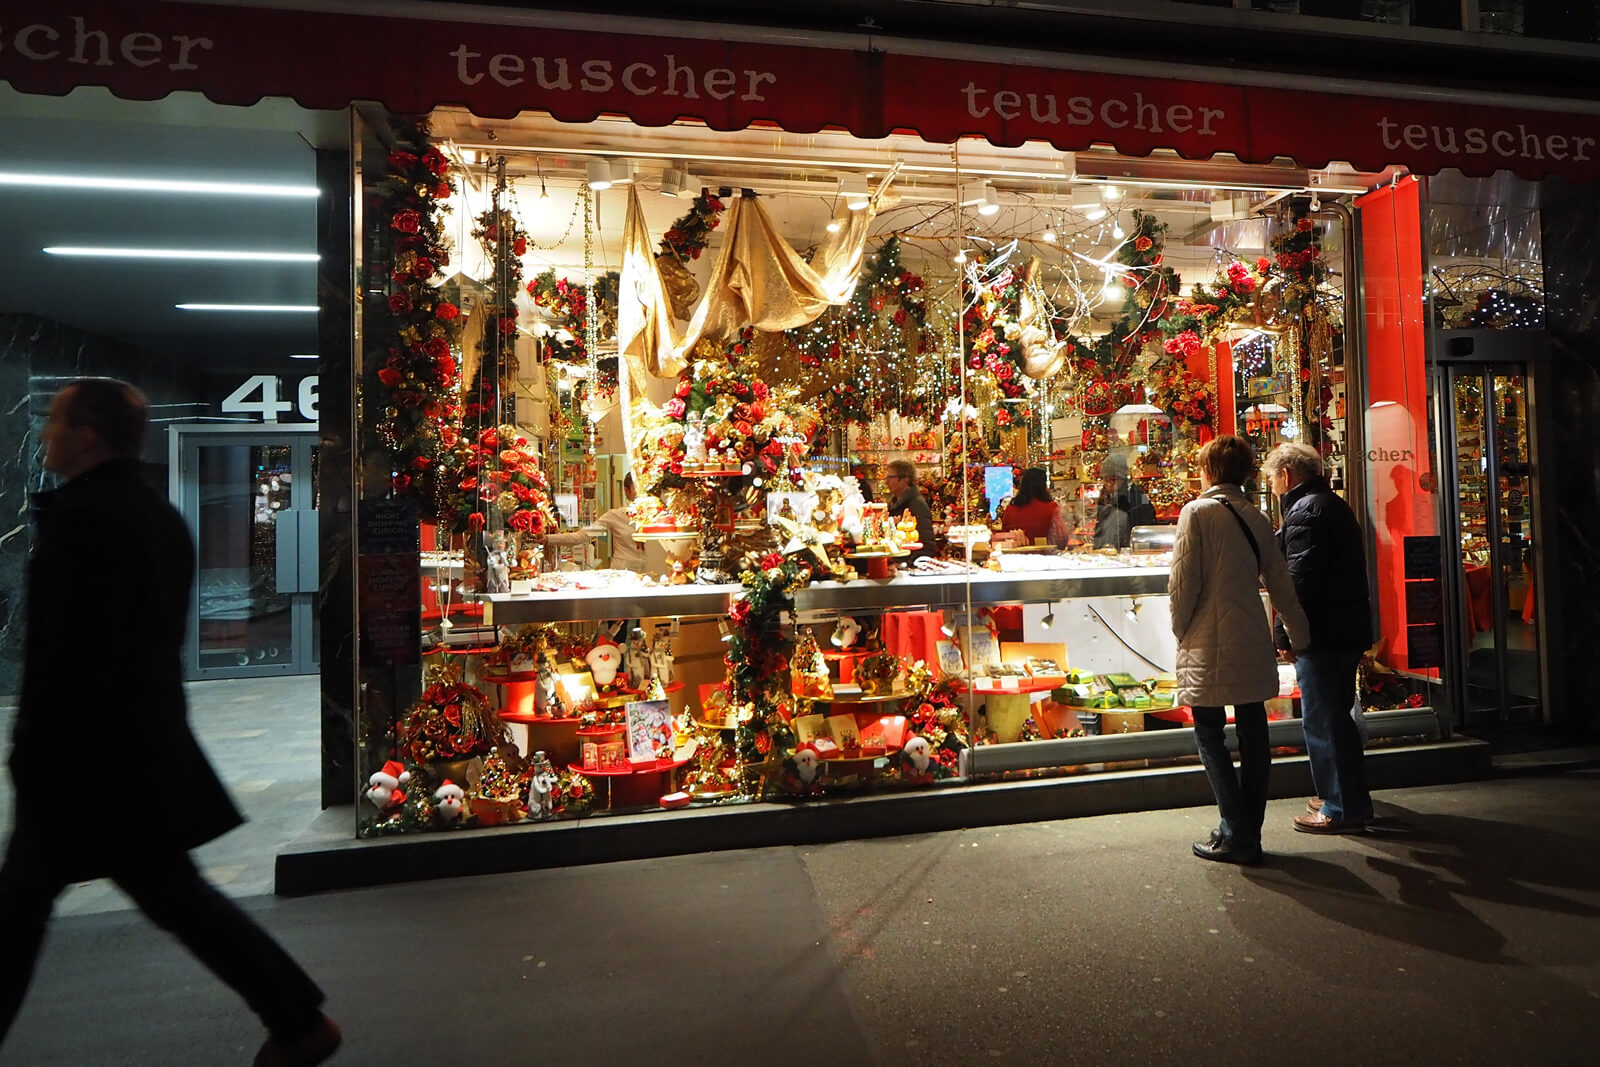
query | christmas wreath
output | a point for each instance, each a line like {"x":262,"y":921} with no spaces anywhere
{"x":497,"y":469}
{"x":451,"y":721}
{"x":414,"y":375}
{"x":568,"y":303}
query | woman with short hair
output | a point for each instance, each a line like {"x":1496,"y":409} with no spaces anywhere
{"x":1223,"y":552}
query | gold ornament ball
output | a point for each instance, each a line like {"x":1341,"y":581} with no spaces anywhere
{"x":393,"y":413}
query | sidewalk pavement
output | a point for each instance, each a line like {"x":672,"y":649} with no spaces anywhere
{"x":1463,"y":928}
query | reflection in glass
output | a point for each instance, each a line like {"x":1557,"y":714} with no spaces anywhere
{"x":243,"y":620}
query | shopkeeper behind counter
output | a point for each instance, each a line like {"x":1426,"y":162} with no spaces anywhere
{"x":1123,"y":505}
{"x":626,"y":552}
{"x":905,"y":496}
{"x":1033,"y":517}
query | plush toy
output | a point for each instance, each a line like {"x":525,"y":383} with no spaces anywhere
{"x":604,"y":660}
{"x":807,"y":763}
{"x":917,"y":750}
{"x":383,"y":788}
{"x":449,"y":800}
{"x":846,"y":633}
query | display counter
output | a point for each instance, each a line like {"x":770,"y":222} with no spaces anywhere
{"x":949,"y":589}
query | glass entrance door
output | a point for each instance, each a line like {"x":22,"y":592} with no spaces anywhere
{"x":251,"y":500}
{"x":1495,"y":535}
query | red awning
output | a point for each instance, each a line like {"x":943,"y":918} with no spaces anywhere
{"x":237,"y":55}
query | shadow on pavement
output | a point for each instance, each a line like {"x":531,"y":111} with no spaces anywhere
{"x":1441,"y":864}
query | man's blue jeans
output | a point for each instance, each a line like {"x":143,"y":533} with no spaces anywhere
{"x":1338,"y":767}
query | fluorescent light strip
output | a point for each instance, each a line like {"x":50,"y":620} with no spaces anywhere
{"x":246,"y":307}
{"x":157,"y":185}
{"x":311,"y":355}
{"x":183,"y":253}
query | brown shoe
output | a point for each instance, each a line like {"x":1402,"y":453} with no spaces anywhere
{"x":1321,"y":824}
{"x":1314,"y":806}
{"x":312,"y":1047}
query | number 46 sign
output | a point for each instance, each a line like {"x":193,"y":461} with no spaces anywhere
{"x":258,"y":395}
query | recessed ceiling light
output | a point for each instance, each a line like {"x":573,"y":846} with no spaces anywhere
{"x":156,"y":185}
{"x":991,"y":202}
{"x":246,"y":307}
{"x":183,"y":253}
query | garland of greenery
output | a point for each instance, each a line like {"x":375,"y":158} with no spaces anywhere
{"x":758,"y":661}
{"x":686,"y":238}
{"x":412,"y":372}
{"x":500,"y":325}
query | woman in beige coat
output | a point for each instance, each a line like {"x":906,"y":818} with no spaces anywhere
{"x":1224,"y":550}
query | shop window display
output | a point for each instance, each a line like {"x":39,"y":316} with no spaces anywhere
{"x":777,"y":358}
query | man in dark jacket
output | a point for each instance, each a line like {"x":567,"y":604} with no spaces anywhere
{"x":109,"y":588}
{"x":905,"y":496}
{"x":1323,"y":544}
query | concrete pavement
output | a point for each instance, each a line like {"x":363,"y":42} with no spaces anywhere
{"x":1466,"y":928}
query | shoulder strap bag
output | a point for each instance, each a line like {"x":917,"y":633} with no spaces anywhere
{"x":1238,"y":518}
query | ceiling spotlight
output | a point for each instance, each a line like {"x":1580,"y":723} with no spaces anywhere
{"x":599,"y":174}
{"x":1110,"y":192}
{"x":622,"y":172}
{"x":673,"y":182}
{"x":1113,"y":290}
{"x":1094,"y":214}
{"x":853,"y":187}
{"x":1048,"y":236}
{"x":1049,"y":619}
{"x":991,"y":202}
{"x":834,"y":225}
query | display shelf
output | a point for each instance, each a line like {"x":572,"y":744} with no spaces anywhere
{"x":591,"y":605}
{"x":881,"y":698}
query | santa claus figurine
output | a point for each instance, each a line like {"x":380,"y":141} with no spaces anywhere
{"x":604,"y":660}
{"x":449,"y":800}
{"x":383,"y":788}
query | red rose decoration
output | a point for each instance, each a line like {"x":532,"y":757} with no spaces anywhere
{"x":685,"y":387}
{"x":447,"y":312}
{"x":763,"y":743}
{"x":508,"y":325}
{"x":761,"y":390}
{"x":406,"y":221}
{"x":1143,"y":244}
{"x":467,"y":485}
{"x":389,"y":376}
{"x":674,"y":408}
{"x":400,"y":303}
{"x":520,"y":246}
{"x":475,"y":521}
{"x":1303,"y":226}
{"x":437,"y":348}
{"x":452,"y":714}
{"x":434,"y":160}
{"x":421,"y":463}
{"x":402,"y":160}
{"x":521,"y":521}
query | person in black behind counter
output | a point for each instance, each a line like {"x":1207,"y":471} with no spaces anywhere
{"x":1123,"y":505}
{"x":905,"y":496}
{"x":124,"y":695}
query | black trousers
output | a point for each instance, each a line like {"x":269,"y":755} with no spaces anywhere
{"x":1241,"y":797}
{"x":169,"y":890}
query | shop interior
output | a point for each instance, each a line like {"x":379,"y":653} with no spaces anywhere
{"x":992,"y":310}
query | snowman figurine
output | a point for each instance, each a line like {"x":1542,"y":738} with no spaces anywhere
{"x":540,"y":788}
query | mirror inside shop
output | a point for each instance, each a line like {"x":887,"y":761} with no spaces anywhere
{"x":766,"y":466}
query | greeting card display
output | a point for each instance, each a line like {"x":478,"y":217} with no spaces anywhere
{"x":649,"y":729}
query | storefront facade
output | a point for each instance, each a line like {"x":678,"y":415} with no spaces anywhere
{"x":1380,"y":282}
